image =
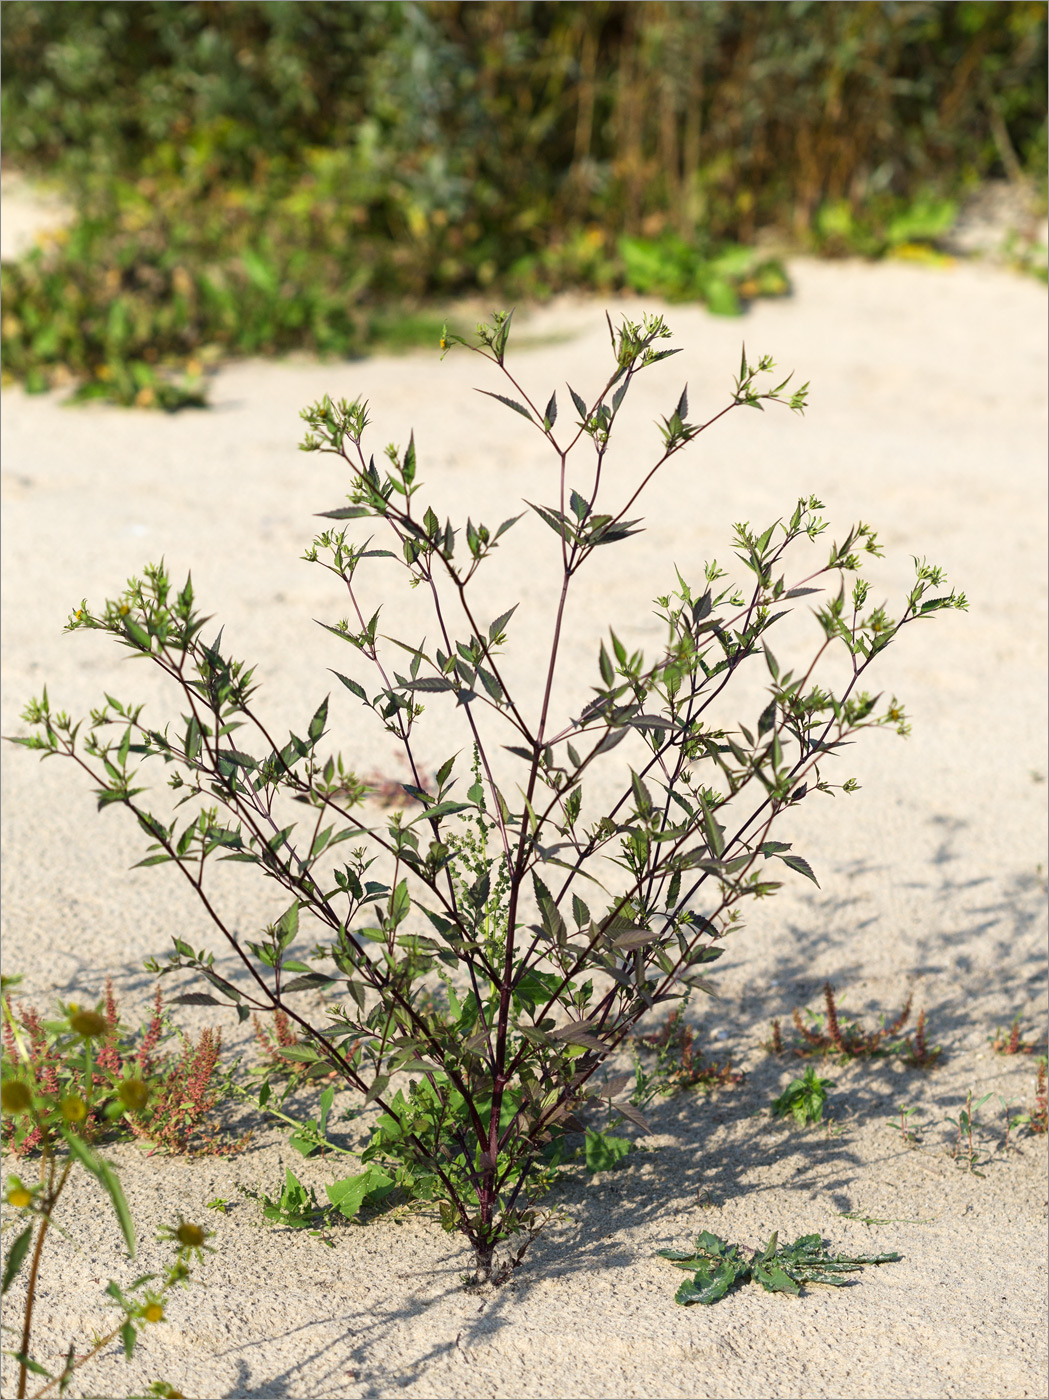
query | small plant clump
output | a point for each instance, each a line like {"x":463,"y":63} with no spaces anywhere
{"x":473,"y":993}
{"x":717,"y":1267}
{"x":827,"y":1034}
{"x":60,"y":1117}
{"x":679,"y":1063}
{"x":126,"y":1088}
{"x":803,"y":1099}
{"x":1009,"y":1042}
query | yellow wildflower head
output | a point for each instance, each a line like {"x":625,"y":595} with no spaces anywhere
{"x":15,"y":1097}
{"x":73,"y":1108}
{"x":133,"y":1094}
{"x":89,"y":1024}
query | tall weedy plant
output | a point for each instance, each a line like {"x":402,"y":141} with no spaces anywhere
{"x":482,"y":890}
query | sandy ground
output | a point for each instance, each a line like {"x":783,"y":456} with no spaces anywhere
{"x":928,"y":419}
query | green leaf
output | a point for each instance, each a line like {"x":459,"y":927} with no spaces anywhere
{"x":499,"y":625}
{"x":308,"y":981}
{"x":604,"y":1152}
{"x":510,"y":403}
{"x":317,"y":723}
{"x":352,"y":1192}
{"x":346,"y":513}
{"x":15,"y":1257}
{"x":138,"y":634}
{"x":708,"y":1285}
{"x":550,"y":416}
{"x":104,"y":1174}
{"x":801,"y":865}
{"x":579,"y":404}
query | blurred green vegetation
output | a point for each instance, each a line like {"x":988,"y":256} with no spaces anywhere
{"x":256,"y":177}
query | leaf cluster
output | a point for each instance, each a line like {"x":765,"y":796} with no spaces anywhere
{"x":717,"y":1267}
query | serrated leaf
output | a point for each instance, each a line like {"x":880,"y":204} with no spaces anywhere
{"x":550,"y":416}
{"x":345,"y":513}
{"x":308,"y":981}
{"x":499,"y":625}
{"x":430,"y":683}
{"x":510,"y":403}
{"x":801,"y":865}
{"x":579,"y":403}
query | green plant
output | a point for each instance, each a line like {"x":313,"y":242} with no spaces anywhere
{"x":62,"y":1121}
{"x":473,"y":993}
{"x":129,"y":1088}
{"x":964,"y":1151}
{"x":1040,"y":1117}
{"x":803,"y":1099}
{"x":908,"y":1134}
{"x":716,"y":1266}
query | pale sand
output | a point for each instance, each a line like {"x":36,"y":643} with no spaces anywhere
{"x":928,"y":419}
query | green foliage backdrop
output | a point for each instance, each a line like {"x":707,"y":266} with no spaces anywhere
{"x":256,"y":176}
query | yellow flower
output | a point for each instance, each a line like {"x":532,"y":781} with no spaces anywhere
{"x":15,"y":1097}
{"x":153,"y":1312}
{"x":191,"y":1236}
{"x":19,"y":1197}
{"x":133,"y":1094}
{"x":74,"y":1109}
{"x":89,"y":1024}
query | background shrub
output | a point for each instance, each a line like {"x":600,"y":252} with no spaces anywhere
{"x":254,"y":177}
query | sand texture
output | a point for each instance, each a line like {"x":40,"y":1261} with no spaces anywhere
{"x":928,"y":420}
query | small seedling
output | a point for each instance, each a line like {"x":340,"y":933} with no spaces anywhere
{"x":918,"y":1053}
{"x":965,"y":1152}
{"x":907,"y":1133}
{"x":1012,"y":1122}
{"x":219,"y":1203}
{"x":803,"y":1099}
{"x":716,"y":1267}
{"x":1040,"y":1117}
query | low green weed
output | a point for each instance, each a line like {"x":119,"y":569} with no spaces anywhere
{"x":964,"y":1151}
{"x":1010,"y":1042}
{"x":803,"y":1099}
{"x":717,"y":1267}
